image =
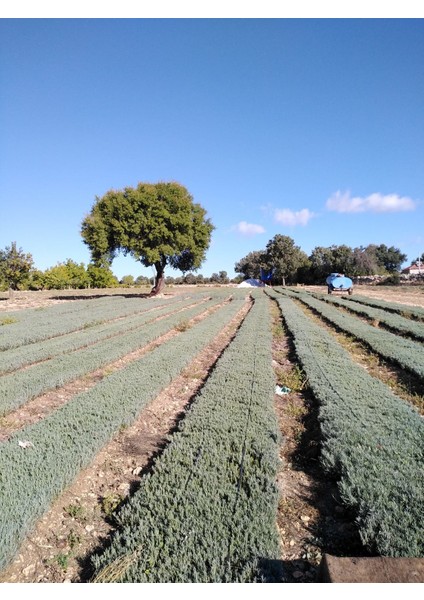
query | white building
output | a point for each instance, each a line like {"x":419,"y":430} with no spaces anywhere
{"x":414,"y":269}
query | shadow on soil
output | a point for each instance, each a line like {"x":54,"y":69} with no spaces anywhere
{"x":97,"y":296}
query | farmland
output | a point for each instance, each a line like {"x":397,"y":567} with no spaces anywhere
{"x":141,"y":439}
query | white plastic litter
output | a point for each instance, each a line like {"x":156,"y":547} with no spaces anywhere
{"x":282,"y":390}
{"x":25,"y":444}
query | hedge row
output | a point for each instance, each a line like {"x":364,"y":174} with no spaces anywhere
{"x":404,"y":352}
{"x":207,"y":512}
{"x":21,"y":386}
{"x":372,"y":441}
{"x":67,"y":440}
{"x":17,"y":358}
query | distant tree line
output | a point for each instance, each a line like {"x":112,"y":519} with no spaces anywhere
{"x":289,"y":264}
{"x":281,"y":257}
{"x":17,"y":272}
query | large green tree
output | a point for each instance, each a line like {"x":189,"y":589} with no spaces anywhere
{"x":157,"y":224}
{"x":15,"y":266}
{"x":390,"y":259}
{"x":331,"y":259}
{"x":285,"y":258}
{"x":281,"y":256}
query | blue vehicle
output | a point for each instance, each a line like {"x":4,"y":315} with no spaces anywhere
{"x":337,"y":282}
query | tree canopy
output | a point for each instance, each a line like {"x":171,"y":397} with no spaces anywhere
{"x":390,"y":259}
{"x":15,"y":266}
{"x":250,"y":266}
{"x":68,"y":274}
{"x":285,"y":258}
{"x":157,"y":224}
{"x":290,"y":262}
{"x":281,"y":256}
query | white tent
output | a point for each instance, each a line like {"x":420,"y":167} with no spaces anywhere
{"x":251,"y":283}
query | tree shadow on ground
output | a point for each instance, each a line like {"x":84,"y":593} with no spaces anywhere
{"x":97,"y":296}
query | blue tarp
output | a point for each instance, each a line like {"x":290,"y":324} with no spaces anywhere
{"x":266,"y":275}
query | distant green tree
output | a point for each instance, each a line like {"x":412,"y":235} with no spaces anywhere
{"x":390,"y":259}
{"x":57,"y":277}
{"x":158,"y":224}
{"x":101,"y":276}
{"x":77,"y":273}
{"x":237,"y":279}
{"x":36,"y":280}
{"x":281,"y":255}
{"x":15,"y":266}
{"x":321,"y":264}
{"x":142,"y":280}
{"x":223,"y":277}
{"x":285,"y":258}
{"x":332,"y":259}
{"x":190,"y":279}
{"x":364,"y":261}
{"x":67,"y":275}
{"x":250,"y":265}
{"x":342,"y":259}
{"x":127,"y":281}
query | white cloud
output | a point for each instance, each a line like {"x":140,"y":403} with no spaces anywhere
{"x":342,"y":202}
{"x":286,"y":216}
{"x":248,"y":228}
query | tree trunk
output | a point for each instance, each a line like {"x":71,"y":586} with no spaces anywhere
{"x":160,"y":279}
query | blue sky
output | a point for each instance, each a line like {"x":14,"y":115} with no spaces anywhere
{"x":311,"y":128}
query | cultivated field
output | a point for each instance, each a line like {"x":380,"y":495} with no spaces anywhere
{"x":144,"y":439}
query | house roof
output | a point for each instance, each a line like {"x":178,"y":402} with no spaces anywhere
{"x":413,"y":267}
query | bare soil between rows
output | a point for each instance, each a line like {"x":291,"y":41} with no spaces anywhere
{"x":311,"y":520}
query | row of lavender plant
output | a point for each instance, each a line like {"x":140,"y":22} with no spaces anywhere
{"x":67,"y":440}
{"x":406,"y":310}
{"x":19,"y":387}
{"x":402,"y":351}
{"x":16,"y":358}
{"x":207,"y":512}
{"x":49,"y":323}
{"x":394,"y":322}
{"x":372,"y":441}
{"x":62,"y":307}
